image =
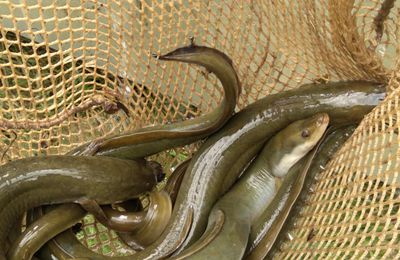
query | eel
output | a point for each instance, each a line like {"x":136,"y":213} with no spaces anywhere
{"x":174,"y":181}
{"x":60,"y":247}
{"x":219,"y":161}
{"x":44,"y":229}
{"x":150,"y":140}
{"x":159,"y":209}
{"x":325,"y":153}
{"x":65,"y":247}
{"x":255,"y":189}
{"x":157,"y":214}
{"x":124,"y":221}
{"x":222,"y":157}
{"x":65,"y":216}
{"x":144,"y":229}
{"x":33,"y":182}
{"x":157,"y":218}
{"x":264,"y":223}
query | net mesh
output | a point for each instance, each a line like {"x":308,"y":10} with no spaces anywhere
{"x":74,"y":70}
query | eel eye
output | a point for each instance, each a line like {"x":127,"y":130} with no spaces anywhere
{"x":305,"y":133}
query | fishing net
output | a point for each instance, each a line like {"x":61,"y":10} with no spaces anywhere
{"x":75,"y":70}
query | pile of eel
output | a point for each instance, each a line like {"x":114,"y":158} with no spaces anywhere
{"x":234,"y":199}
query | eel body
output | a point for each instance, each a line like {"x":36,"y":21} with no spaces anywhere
{"x":174,"y":181}
{"x":32,"y":182}
{"x":151,"y":140}
{"x":157,"y":217}
{"x":145,"y":226}
{"x":44,"y":229}
{"x":325,"y":153}
{"x":220,"y":160}
{"x":222,"y":157}
{"x":255,"y":189}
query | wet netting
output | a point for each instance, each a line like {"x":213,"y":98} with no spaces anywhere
{"x":75,"y":70}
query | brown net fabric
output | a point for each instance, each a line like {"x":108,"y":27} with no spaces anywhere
{"x":74,"y":70}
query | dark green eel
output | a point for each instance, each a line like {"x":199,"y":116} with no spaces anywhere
{"x":175,"y":180}
{"x":131,"y":221}
{"x":66,"y":246}
{"x":255,"y":189}
{"x":219,"y":161}
{"x":157,"y":217}
{"x":154,"y":139}
{"x":146,"y":229}
{"x":325,"y":153}
{"x":124,"y":221}
{"x":270,"y":221}
{"x":32,"y":182}
{"x":44,"y":229}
